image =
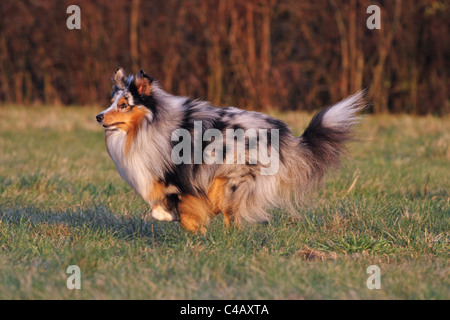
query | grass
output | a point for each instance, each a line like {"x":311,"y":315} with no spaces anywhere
{"x":63,"y":203}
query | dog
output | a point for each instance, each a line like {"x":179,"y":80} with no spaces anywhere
{"x":143,"y":130}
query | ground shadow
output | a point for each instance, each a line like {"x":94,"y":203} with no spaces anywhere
{"x":95,"y":217}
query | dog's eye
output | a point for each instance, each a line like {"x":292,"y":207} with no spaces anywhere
{"x":123,"y":105}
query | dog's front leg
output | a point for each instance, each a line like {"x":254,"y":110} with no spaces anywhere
{"x":160,"y":213}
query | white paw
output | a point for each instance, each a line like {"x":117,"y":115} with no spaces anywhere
{"x":158,"y":213}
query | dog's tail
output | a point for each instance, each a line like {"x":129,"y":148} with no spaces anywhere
{"x":324,"y":140}
{"x":321,"y":146}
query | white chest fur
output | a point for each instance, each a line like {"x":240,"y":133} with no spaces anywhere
{"x":132,"y":166}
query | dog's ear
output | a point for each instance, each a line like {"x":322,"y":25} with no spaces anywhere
{"x":143,"y":83}
{"x":119,"y":78}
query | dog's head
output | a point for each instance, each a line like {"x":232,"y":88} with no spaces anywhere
{"x":132,"y":99}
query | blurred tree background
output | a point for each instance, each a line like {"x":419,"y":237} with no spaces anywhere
{"x":254,"y":54}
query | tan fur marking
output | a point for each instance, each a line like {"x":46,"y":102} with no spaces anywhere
{"x":112,"y":117}
{"x":158,"y":196}
{"x":143,"y":85}
{"x":216,"y":194}
{"x":194,"y":213}
{"x":128,"y":120}
{"x":121,"y":101}
{"x":133,"y":126}
{"x":158,"y":192}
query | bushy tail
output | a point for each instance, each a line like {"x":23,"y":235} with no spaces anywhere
{"x":304,"y":162}
{"x":323,"y":141}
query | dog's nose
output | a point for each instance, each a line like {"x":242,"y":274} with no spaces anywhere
{"x":99,"y":117}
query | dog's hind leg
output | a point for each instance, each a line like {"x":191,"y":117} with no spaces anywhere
{"x":194,"y":213}
{"x":217,"y":196}
{"x":242,"y":198}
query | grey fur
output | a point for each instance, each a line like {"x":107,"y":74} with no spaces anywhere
{"x":303,"y":160}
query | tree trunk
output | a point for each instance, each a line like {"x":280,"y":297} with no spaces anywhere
{"x":378,"y":90}
{"x":134,"y":22}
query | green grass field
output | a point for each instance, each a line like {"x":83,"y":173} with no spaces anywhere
{"x":63,"y":203}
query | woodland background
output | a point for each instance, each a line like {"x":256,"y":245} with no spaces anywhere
{"x":255,"y":54}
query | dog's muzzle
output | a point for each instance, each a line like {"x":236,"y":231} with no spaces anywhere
{"x":99,"y":117}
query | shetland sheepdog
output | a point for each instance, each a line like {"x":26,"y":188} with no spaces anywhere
{"x":143,"y":129}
